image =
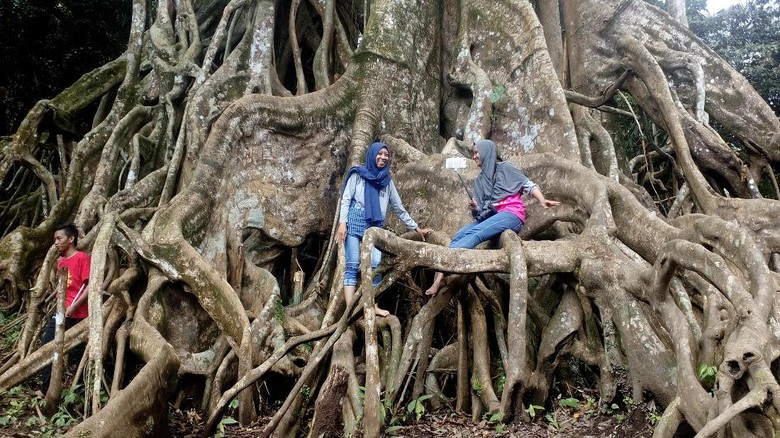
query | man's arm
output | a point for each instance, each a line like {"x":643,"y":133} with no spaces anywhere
{"x":80,"y":298}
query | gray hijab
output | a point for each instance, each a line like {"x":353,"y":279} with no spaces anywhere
{"x":498,"y":179}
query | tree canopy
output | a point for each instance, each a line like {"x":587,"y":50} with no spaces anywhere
{"x":45,"y":46}
{"x":748,"y":37}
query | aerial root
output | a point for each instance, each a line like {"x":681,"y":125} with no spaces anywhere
{"x":765,"y":388}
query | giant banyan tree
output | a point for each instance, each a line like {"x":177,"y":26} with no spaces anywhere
{"x":204,"y":166}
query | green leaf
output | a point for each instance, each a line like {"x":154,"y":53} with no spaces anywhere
{"x":706,"y":371}
{"x":233,"y":404}
{"x":532,"y":410}
{"x":498,"y":91}
{"x":569,"y":403}
{"x":228,"y":421}
{"x":392,"y":430}
{"x":495,"y":418}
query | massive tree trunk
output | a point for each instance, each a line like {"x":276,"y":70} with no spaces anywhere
{"x":206,"y":188}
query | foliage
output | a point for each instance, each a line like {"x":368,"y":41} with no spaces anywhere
{"x":226,"y":421}
{"x":416,"y":406}
{"x":279,"y":311}
{"x":552,"y":419}
{"x":46,"y":46}
{"x":531,"y":410}
{"x":10,"y":328}
{"x":477,"y":386}
{"x":21,"y":409}
{"x":748,"y":37}
{"x":569,"y":403}
{"x":706,"y":374}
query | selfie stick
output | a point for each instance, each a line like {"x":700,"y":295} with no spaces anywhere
{"x":456,"y":164}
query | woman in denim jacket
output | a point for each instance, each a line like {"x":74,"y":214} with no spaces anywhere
{"x":368,"y":191}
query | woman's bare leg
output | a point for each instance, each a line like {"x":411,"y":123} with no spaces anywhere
{"x":434,"y":289}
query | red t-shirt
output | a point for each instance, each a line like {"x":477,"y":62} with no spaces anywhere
{"x":78,"y":274}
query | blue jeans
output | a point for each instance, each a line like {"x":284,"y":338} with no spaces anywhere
{"x":352,"y":253}
{"x":477,"y":232}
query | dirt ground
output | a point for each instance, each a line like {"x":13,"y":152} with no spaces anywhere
{"x":584,"y":421}
{"x":20,"y":416}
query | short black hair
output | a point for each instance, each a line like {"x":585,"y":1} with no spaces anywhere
{"x":70,"y":231}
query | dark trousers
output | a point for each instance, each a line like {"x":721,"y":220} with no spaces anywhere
{"x":74,"y":354}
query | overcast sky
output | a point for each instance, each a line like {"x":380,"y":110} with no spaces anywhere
{"x":714,"y":6}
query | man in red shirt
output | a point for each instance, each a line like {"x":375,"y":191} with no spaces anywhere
{"x":66,"y":237}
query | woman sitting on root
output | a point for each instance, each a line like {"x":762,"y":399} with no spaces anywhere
{"x":368,"y":191}
{"x":497,"y":204}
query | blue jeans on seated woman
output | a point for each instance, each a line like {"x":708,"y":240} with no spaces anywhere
{"x":352,"y":253}
{"x":477,"y":232}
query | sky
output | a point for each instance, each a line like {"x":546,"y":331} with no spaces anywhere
{"x":714,"y":6}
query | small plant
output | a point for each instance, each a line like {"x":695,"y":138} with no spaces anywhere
{"x":18,"y":405}
{"x":225,"y":421}
{"x":495,"y":419}
{"x":590,"y":406}
{"x":654,"y":418}
{"x":501,"y":380}
{"x":393,"y":430}
{"x":416,"y":406}
{"x":532,"y":409}
{"x":478,"y":387}
{"x":619,"y":418}
{"x":707,"y":375}
{"x":385,"y":407}
{"x":569,"y":403}
{"x":552,"y":420}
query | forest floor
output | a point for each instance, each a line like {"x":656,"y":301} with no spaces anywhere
{"x":577,"y":413}
{"x":634,"y":424}
{"x":20,"y":417}
{"x":570,"y":418}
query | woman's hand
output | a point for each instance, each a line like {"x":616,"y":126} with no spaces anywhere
{"x":423,"y":232}
{"x":472,"y":206}
{"x":341,"y":233}
{"x":536,"y":192}
{"x":548,"y":203}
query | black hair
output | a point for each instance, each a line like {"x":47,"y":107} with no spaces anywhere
{"x":70,"y":230}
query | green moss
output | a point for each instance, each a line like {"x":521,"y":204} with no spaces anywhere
{"x":279,"y":311}
{"x":89,"y":87}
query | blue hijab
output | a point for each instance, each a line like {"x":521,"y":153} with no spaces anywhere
{"x":376,"y":179}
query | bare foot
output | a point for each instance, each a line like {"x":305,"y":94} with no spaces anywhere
{"x":434,"y":289}
{"x":380,"y":312}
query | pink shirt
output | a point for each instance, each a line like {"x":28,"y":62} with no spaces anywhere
{"x":513,"y":204}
